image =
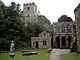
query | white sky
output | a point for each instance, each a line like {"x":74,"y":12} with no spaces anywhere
{"x":52,"y":9}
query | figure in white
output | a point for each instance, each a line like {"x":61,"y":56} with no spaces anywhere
{"x":12,"y":47}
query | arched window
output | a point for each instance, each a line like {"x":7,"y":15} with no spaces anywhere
{"x":44,"y":43}
{"x":44,"y":34}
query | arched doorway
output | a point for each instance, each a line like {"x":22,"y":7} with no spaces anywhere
{"x":63,"y":41}
{"x":69,"y":41}
{"x":36,"y":44}
{"x":58,"y":41}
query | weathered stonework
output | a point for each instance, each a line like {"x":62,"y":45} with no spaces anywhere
{"x":63,"y":34}
{"x":77,"y":20}
{"x":32,"y":15}
{"x":30,"y":12}
{"x":43,"y":41}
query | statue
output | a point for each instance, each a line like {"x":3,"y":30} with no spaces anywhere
{"x":12,"y":47}
{"x":11,"y":54}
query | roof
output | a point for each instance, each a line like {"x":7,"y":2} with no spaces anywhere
{"x":77,"y":7}
{"x":35,"y":38}
{"x":1,"y":3}
{"x":43,"y":32}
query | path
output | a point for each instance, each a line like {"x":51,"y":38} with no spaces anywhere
{"x":55,"y":53}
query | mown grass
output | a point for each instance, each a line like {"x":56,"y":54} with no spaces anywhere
{"x":71,"y":56}
{"x":42,"y":55}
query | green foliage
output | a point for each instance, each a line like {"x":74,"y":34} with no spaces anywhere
{"x":73,"y":56}
{"x":12,"y":28}
{"x":65,"y":18}
{"x":34,"y":29}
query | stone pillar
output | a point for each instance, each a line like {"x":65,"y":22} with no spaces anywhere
{"x":78,"y":39}
{"x":60,"y":42}
{"x":11,"y":56}
{"x":77,"y":20}
{"x":67,"y":41}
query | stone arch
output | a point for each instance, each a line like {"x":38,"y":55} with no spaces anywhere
{"x":36,"y":44}
{"x":63,"y":41}
{"x":58,"y":41}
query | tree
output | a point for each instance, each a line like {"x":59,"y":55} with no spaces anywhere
{"x":65,"y":18}
{"x":11,"y":27}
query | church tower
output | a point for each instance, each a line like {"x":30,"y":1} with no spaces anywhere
{"x":30,"y":12}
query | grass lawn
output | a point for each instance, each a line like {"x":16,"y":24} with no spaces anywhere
{"x":73,"y":56}
{"x":42,"y":55}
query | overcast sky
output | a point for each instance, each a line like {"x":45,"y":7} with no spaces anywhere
{"x":52,"y":9}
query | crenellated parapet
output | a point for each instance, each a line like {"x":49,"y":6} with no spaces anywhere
{"x":25,"y":4}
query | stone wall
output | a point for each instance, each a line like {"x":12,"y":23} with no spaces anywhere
{"x":77,"y":20}
{"x":30,"y":12}
{"x":63,"y":31}
{"x":43,"y":41}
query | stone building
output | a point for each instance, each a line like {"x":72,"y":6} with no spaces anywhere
{"x":43,"y":41}
{"x":30,"y":12}
{"x":32,"y":15}
{"x":77,"y":21}
{"x":63,"y":34}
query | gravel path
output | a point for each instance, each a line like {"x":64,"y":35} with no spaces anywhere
{"x":55,"y":53}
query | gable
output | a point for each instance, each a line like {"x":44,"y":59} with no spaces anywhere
{"x":44,"y":33}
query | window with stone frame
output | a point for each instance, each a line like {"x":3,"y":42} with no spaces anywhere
{"x":44,"y":34}
{"x":57,"y":30}
{"x":69,"y":30}
{"x":44,"y":43}
{"x":28,"y":8}
{"x":63,"y":30}
{"x":28,"y":15}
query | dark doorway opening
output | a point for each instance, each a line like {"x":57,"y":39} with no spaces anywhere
{"x":63,"y":40}
{"x":69,"y":41}
{"x":52,"y":41}
{"x":36,"y":44}
{"x":58,"y":42}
